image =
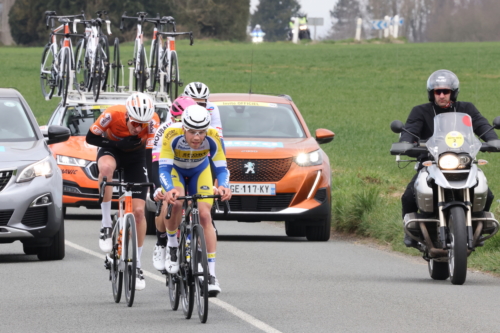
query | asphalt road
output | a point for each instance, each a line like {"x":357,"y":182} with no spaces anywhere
{"x":270,"y":283}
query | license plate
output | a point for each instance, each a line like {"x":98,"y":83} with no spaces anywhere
{"x":253,"y":189}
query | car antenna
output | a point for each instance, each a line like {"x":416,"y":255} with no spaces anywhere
{"x":251,"y":72}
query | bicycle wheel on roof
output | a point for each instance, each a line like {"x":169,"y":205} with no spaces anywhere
{"x":47,"y":77}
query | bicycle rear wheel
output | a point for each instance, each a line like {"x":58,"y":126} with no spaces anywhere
{"x":199,"y":265}
{"x":47,"y":79}
{"x":103,"y":41}
{"x":65,"y":73}
{"x":97,"y":73}
{"x":186,"y":278}
{"x":173,"y":85}
{"x":116,"y":66}
{"x":153,"y":71}
{"x":140,"y":73}
{"x":115,"y":275}
{"x":130,"y":258}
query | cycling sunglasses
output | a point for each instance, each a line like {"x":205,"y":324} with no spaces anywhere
{"x":442,"y":91}
{"x":136,"y":124}
{"x":203,"y":104}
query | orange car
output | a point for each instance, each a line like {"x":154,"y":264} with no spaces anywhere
{"x":76,"y":158}
{"x":278,"y":172}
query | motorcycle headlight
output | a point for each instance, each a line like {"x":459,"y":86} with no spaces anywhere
{"x":449,"y":161}
{"x":38,"y":169}
{"x":309,"y":159}
{"x":73,"y":161}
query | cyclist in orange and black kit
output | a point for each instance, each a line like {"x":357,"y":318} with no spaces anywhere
{"x":124,"y":135}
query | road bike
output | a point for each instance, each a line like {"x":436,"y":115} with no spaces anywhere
{"x":57,"y":60}
{"x":122,"y":261}
{"x":165,"y":75}
{"x":92,"y":56}
{"x":191,"y":282}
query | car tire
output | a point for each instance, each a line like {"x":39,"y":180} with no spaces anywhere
{"x":28,"y":250}
{"x":150,"y":222}
{"x":295,"y":229}
{"x":56,"y":250}
{"x":321,"y":232}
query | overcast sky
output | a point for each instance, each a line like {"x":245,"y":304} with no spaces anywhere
{"x":313,"y":8}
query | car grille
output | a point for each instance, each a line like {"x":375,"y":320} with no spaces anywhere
{"x":265,"y":170}
{"x":93,"y":172}
{"x":35,"y":217}
{"x":5,"y":176}
{"x":5,"y":217}
{"x":255,"y":203}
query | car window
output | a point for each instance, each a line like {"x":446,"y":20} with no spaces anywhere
{"x":259,"y":120}
{"x":79,"y":118}
{"x":15,"y":124}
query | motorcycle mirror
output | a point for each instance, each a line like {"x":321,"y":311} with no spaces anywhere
{"x":397,"y":126}
{"x":496,"y":122}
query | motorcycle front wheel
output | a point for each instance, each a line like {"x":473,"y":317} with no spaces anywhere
{"x":457,"y":253}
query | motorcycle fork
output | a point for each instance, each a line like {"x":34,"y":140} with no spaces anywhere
{"x":442,"y":220}
{"x":468,"y":215}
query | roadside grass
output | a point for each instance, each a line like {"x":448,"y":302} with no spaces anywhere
{"x":354,"y":90}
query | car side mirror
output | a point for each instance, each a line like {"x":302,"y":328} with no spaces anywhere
{"x":496,"y":123}
{"x":57,"y":134}
{"x":397,"y":126}
{"x":324,"y":135}
{"x":44,"y":130}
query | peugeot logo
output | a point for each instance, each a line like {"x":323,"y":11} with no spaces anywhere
{"x":250,"y":167}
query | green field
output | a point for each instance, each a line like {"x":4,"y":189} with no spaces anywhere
{"x":353,"y":90}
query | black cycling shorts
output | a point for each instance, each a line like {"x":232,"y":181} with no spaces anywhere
{"x":134,"y":167}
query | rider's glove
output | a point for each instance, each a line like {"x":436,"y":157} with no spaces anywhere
{"x":129,"y":143}
{"x":157,"y":191}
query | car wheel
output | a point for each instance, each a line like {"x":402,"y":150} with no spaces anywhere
{"x":56,"y":250}
{"x":64,"y":212}
{"x":150,"y":222}
{"x":30,"y":249}
{"x":295,"y":229}
{"x":321,"y":232}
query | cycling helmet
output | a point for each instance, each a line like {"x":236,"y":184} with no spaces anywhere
{"x":140,"y":107}
{"x":443,"y":79}
{"x":180,"y":104}
{"x":196,"y":117}
{"x":197,"y":90}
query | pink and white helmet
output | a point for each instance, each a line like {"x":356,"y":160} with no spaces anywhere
{"x":180,"y":104}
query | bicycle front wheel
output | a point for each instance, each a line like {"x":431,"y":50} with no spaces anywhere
{"x":130,"y":258}
{"x":153,"y":72}
{"x":103,"y":42}
{"x":173,"y":85}
{"x":47,"y":80}
{"x":97,"y":73}
{"x":65,"y":73}
{"x":116,"y":66}
{"x":185,"y":275}
{"x":81,"y":67}
{"x":199,"y":266}
{"x":174,"y":290}
{"x":140,"y":72}
{"x":116,"y":276}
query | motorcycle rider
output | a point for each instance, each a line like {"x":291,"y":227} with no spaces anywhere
{"x":442,"y":90}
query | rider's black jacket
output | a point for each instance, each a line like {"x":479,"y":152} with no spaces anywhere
{"x":421,"y":121}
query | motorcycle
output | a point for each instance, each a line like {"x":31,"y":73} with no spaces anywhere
{"x":450,"y":192}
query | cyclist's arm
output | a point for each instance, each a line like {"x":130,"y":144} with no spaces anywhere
{"x":218,"y":158}
{"x":166,"y":161}
{"x":152,"y":139}
{"x":100,"y":141}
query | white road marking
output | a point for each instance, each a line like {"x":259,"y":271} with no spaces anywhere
{"x":226,"y":306}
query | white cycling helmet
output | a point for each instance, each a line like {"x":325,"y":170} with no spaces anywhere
{"x":140,"y":107}
{"x":197,"y":90}
{"x":196,"y":117}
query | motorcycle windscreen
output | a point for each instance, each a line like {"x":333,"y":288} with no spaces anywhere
{"x":453,"y":132}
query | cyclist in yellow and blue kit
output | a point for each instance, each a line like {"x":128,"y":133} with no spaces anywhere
{"x":184,"y":161}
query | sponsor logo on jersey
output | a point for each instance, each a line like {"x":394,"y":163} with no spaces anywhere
{"x":105,"y":120}
{"x":204,"y":187}
{"x":150,"y":142}
{"x":96,"y":130}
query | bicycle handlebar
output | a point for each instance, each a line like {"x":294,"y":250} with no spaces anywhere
{"x":195,"y":198}
{"x":128,"y":186}
{"x":141,"y":17}
{"x":173,"y":34}
{"x":51,"y":15}
{"x":94,"y":22}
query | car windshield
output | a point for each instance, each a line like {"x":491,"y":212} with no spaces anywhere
{"x":259,"y":120}
{"x":79,"y":118}
{"x":14,"y":122}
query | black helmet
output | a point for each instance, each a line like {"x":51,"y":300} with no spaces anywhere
{"x":443,"y":79}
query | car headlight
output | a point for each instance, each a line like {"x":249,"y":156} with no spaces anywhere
{"x":38,"y":169}
{"x":73,"y":161}
{"x":309,"y":159}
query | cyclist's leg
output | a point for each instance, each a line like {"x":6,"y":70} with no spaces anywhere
{"x":134,"y":171}
{"x":172,"y":224}
{"x":106,"y":163}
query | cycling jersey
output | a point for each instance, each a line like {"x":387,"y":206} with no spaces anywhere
{"x":176,"y":152}
{"x":112,"y":124}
